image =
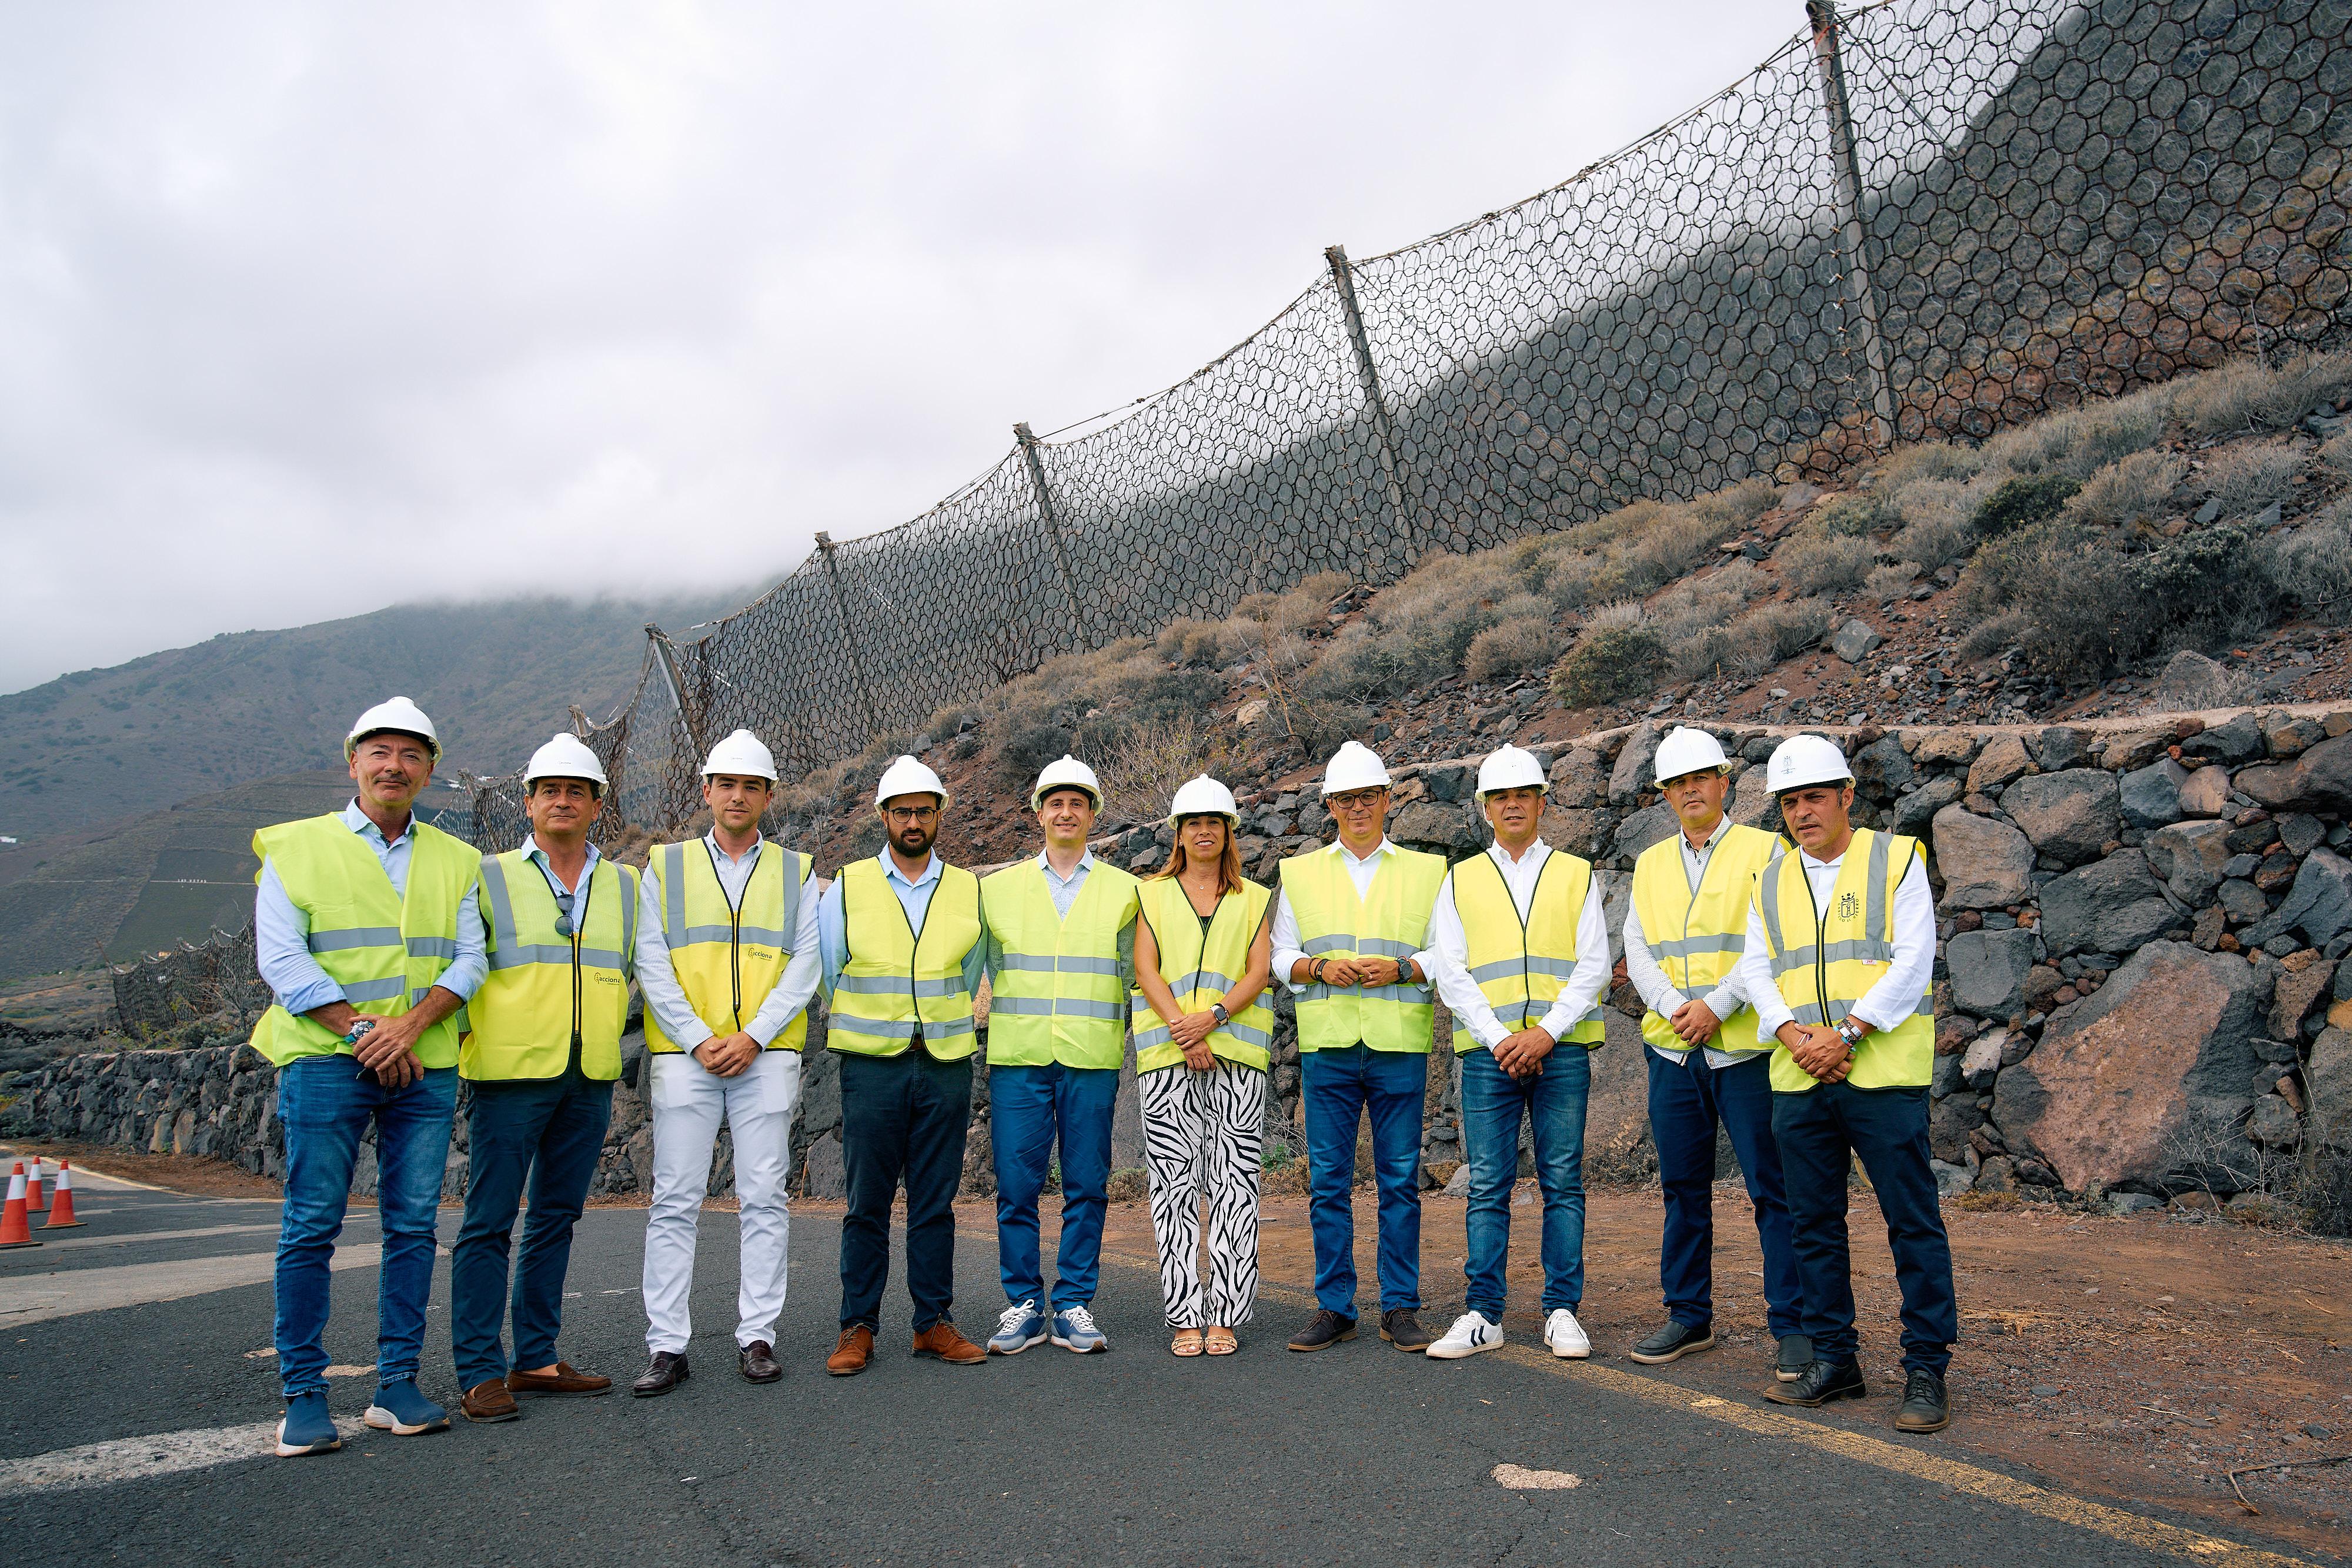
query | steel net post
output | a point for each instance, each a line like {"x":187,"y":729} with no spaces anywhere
{"x":1368,"y":376}
{"x":1847,"y":166}
{"x":849,"y":636}
{"x":1049,"y":520}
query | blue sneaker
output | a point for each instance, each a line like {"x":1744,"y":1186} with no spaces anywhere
{"x":308,"y":1429}
{"x":1018,"y":1327}
{"x":1073,"y":1329}
{"x":400,"y":1410}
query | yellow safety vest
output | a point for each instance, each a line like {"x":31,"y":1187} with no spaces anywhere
{"x":1055,"y":991}
{"x":1334,"y":923}
{"x":1201,"y":961}
{"x":1826,"y":960}
{"x":1697,"y":937}
{"x":726,"y":959}
{"x":898,"y":979}
{"x":545,"y":987}
{"x":1522,"y":966}
{"x":385,"y":950}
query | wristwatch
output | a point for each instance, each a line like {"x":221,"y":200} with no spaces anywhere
{"x":1217,"y":1011}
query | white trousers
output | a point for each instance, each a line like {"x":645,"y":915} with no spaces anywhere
{"x":689,"y":1101}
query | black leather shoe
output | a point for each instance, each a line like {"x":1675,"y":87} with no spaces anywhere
{"x":1672,"y":1343}
{"x":1820,"y":1383}
{"x":757,"y":1362}
{"x":662,"y":1373}
{"x":1926,"y":1407}
{"x":1402,"y":1329}
{"x":1795,"y":1355}
{"x":1327,"y":1329}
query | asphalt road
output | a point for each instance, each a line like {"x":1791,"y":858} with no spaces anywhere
{"x":1356,"y":1454}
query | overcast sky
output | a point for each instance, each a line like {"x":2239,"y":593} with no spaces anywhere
{"x":304,"y":310}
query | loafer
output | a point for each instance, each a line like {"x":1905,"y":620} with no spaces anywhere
{"x":565,"y":1379}
{"x":1926,"y":1407}
{"x":1328,"y":1328}
{"x":757,"y":1362}
{"x":400,"y":1409}
{"x":945,"y":1342}
{"x":664,"y":1371}
{"x":1401,"y":1329}
{"x":851,"y":1351}
{"x":1018,"y":1326}
{"x":1793,"y":1354}
{"x":1819,"y":1384}
{"x":488,"y":1402}
{"x":1675,"y":1340}
{"x":306,"y":1428}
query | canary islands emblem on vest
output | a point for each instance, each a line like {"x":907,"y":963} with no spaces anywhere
{"x":1847,"y":906}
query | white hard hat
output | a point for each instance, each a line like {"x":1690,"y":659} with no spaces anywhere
{"x":1354,"y":765}
{"x":565,"y":757}
{"x":1069,"y":773}
{"x":908,"y":777}
{"x":742,"y":755}
{"x":1205,"y":797}
{"x":1509,"y":767}
{"x":1804,"y":760}
{"x":400,"y":716}
{"x":1689,"y":751}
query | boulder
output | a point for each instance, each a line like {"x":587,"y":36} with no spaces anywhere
{"x":1853,"y":641}
{"x":2150,"y":796}
{"x":1982,"y":1059}
{"x":2059,"y":748}
{"x":2320,"y":780}
{"x":1578,"y":829}
{"x":2109,"y":907}
{"x":2238,"y":739}
{"x":1429,"y":825}
{"x":1633,"y":774}
{"x":2206,"y":792}
{"x":2319,"y":904}
{"x":1988,"y":969}
{"x":2295,"y":995}
{"x":2191,"y":681}
{"x":2188,"y":857}
{"x":1644,"y":828}
{"x":1950,"y":1121}
{"x":2003,"y":759}
{"x":1944,"y":747}
{"x":1883,"y":763}
{"x":2242,"y":903}
{"x":2132,"y":749}
{"x":2327,"y":1085}
{"x":1752,"y":805}
{"x":1451,"y":781}
{"x":1914,"y":813}
{"x":2145,"y":1077}
{"x":1617,"y":1145}
{"x":2071,"y":816}
{"x":1986,"y":864}
{"x":1578,"y":778}
{"x":2273,"y":1124}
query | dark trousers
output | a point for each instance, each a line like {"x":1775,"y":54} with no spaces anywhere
{"x":1888,"y":1129}
{"x":549,"y":1131}
{"x":901,"y":1116}
{"x":1688,"y":1101}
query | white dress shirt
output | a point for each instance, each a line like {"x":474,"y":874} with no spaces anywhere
{"x":1289,"y":948}
{"x":666,"y":998}
{"x":1659,"y":994}
{"x":1896,"y":995}
{"x":1450,"y":950}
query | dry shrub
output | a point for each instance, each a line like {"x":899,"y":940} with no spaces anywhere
{"x":1608,"y":664}
{"x":2311,"y":566}
{"x":2077,"y":441}
{"x":2336,"y":453}
{"x":2126,"y":491}
{"x":1888,"y":582}
{"x":1188,"y":642}
{"x":1512,"y":648}
{"x":1989,"y":635}
{"x":1618,"y":613}
{"x":2246,"y":394}
{"x":1824,"y":565}
{"x":2020,"y":502}
{"x":1854,"y":515}
{"x":1937,"y":514}
{"x":1740,"y":504}
{"x":1419,"y":630}
{"x":1771,"y":632}
{"x":1692,"y":619}
{"x":1145,"y":766}
{"x":1938,"y":460}
{"x":1675,"y":541}
{"x":2251,"y":477}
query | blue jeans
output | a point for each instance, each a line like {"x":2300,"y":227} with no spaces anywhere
{"x":552,"y":1132}
{"x":1686,"y":1104}
{"x":1552,"y":1101}
{"x":1888,"y":1128}
{"x":324,"y":1107}
{"x":1030,"y":1108}
{"x":903,"y":1116}
{"x":1339,"y":1087}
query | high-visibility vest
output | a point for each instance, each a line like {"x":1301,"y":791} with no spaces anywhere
{"x":1697,"y":937}
{"x":1056,"y":994}
{"x":1826,"y":960}
{"x":1521,"y":967}
{"x":727,"y":958}
{"x":1391,"y":922}
{"x":385,"y":949}
{"x":898,"y":979}
{"x":1200,"y":962}
{"x":544,"y":988}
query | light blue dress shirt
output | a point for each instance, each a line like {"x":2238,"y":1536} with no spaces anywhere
{"x":914,"y":897}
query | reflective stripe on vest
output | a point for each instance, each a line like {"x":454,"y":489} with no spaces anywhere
{"x":1055,"y":994}
{"x":1391,"y":922}
{"x":1697,"y":936}
{"x":544,"y":987}
{"x":1852,"y":942}
{"x":383,"y":949}
{"x":1200,"y":968}
{"x":1521,"y":967}
{"x":727,"y":957}
{"x":896,"y":976}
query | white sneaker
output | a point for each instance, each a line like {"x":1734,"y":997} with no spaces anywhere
{"x":1470,"y":1335}
{"x":1565,"y":1335}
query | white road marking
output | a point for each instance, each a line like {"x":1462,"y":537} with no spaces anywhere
{"x":34,"y":1298}
{"x":1518,"y":1479}
{"x":143,"y":1458}
{"x":158,"y":1235}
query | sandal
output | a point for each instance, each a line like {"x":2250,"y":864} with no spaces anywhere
{"x":1186,"y":1342}
{"x":1220,"y":1342}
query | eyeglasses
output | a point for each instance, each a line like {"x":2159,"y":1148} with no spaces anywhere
{"x":1359,"y":799}
{"x":907,"y":816}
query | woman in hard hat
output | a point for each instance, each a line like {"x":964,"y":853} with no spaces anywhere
{"x":1204,"y":953}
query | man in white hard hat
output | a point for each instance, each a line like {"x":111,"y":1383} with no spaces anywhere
{"x":903,"y":953}
{"x":1839,"y":955}
{"x":727,"y":958}
{"x":1060,"y":944}
{"x":1686,"y":927}
{"x":365,"y":929}
{"x":1522,"y":950}
{"x":1350,"y":939}
{"x":543,"y":1052}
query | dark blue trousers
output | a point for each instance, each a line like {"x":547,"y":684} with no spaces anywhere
{"x":1687,"y":1103}
{"x":901,"y":1116}
{"x":1888,"y":1129}
{"x":1339,"y":1087}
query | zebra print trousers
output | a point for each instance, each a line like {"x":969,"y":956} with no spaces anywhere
{"x":1201,"y":1132}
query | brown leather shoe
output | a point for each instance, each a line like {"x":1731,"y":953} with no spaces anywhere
{"x":757,"y":1362}
{"x":664,"y":1371}
{"x":565,"y":1379}
{"x":946,"y":1340}
{"x":488,"y":1402}
{"x":850,"y":1356}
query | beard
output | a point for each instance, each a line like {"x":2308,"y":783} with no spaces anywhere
{"x":913,"y":841}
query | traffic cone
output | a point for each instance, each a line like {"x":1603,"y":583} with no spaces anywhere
{"x":37,"y":1195}
{"x":61,"y":1214}
{"x":14,"y":1232}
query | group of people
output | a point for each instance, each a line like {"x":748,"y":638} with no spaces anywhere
{"x":1787,"y":1006}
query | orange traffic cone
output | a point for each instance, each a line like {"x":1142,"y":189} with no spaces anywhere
{"x":36,"y":1196}
{"x":61,"y":1214}
{"x":14,"y":1230}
